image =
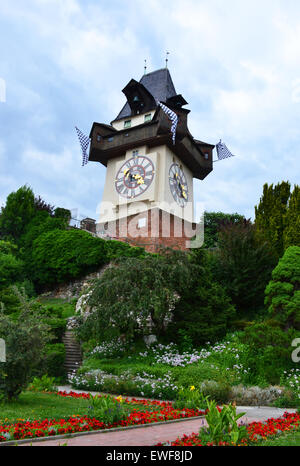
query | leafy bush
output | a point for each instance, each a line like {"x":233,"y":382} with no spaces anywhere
{"x":64,"y":214}
{"x":244,"y":265}
{"x":283,"y":291}
{"x":215,"y":390}
{"x":190,"y":398}
{"x":222,"y":425}
{"x":11,"y":269}
{"x":43,"y":384}
{"x":269,"y":351}
{"x":25,"y":340}
{"x":212,"y":224}
{"x":116,"y":249}
{"x":107,"y":409}
{"x":135,"y":293}
{"x":204,"y":311}
{"x":62,"y":255}
{"x":53,"y":364}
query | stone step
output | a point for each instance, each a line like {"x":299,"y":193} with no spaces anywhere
{"x":73,"y":358}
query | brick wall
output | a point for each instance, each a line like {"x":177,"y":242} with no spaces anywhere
{"x":152,"y":229}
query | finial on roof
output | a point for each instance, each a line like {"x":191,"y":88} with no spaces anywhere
{"x":167,"y":53}
{"x":145,"y":67}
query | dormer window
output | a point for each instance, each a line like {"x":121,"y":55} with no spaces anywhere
{"x":127,"y":124}
{"x":206,"y":156}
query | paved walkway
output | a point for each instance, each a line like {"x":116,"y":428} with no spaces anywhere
{"x":153,"y":434}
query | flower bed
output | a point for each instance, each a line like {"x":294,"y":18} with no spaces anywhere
{"x":51,"y":427}
{"x":257,"y":431}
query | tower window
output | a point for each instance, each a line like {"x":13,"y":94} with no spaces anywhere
{"x":98,"y":137}
{"x":135,"y":153}
{"x":206,"y":156}
{"x":127,"y":123}
{"x":148,"y":117}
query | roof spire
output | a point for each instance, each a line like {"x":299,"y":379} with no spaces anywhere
{"x":167,"y":59}
{"x":145,"y":67}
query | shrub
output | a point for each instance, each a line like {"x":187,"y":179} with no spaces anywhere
{"x":53,"y":364}
{"x":11,"y":269}
{"x":269,"y":351}
{"x":107,"y":409}
{"x":190,"y":398}
{"x":222,"y":425}
{"x":25,"y":340}
{"x":283,"y":291}
{"x":204,"y":311}
{"x":62,"y":255}
{"x":244,"y":265}
{"x":116,"y":249}
{"x":134,"y":294}
{"x":43,"y":384}
{"x":218,"y":391}
{"x":212,"y":225}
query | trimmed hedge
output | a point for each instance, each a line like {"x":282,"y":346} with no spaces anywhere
{"x":59,"y":256}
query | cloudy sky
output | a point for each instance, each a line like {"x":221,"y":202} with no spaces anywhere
{"x":64,"y":63}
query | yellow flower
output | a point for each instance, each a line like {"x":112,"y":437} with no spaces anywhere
{"x":192,"y":387}
{"x":120,"y":399}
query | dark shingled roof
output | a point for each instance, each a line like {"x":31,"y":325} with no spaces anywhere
{"x":159,"y":83}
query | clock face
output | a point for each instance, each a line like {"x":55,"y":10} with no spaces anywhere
{"x":134,"y":177}
{"x":178,"y":185}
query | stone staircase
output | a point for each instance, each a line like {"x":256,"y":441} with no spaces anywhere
{"x":73,"y":352}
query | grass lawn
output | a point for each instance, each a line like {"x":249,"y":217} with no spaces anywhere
{"x":288,"y":439}
{"x":38,"y":406}
{"x":33,"y":405}
{"x":66,"y":307}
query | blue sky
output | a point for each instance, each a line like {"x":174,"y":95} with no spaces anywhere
{"x":64,"y":63}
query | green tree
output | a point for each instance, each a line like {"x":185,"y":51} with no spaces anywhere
{"x":64,"y":214}
{"x":41,"y":223}
{"x":243,"y":265}
{"x":283,"y":291}
{"x":16,"y":214}
{"x":11,"y":268}
{"x":291,"y":234}
{"x":25,"y":339}
{"x":212,"y":224}
{"x":11,"y":272}
{"x":135,"y":292}
{"x":270,"y":215}
{"x":203,"y":313}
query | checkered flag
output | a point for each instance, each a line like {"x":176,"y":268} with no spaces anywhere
{"x":173,"y":118}
{"x":84,"y":142}
{"x":222,"y":151}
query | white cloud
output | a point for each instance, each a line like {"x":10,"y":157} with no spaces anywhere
{"x":235,"y":62}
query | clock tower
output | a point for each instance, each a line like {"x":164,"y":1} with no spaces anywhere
{"x":148,"y":193}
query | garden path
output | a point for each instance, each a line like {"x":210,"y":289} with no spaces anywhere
{"x":152,"y":434}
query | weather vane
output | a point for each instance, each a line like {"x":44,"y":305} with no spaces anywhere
{"x":167,"y":53}
{"x":145,"y":67}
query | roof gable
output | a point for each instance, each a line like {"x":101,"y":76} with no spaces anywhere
{"x":160,"y":85}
